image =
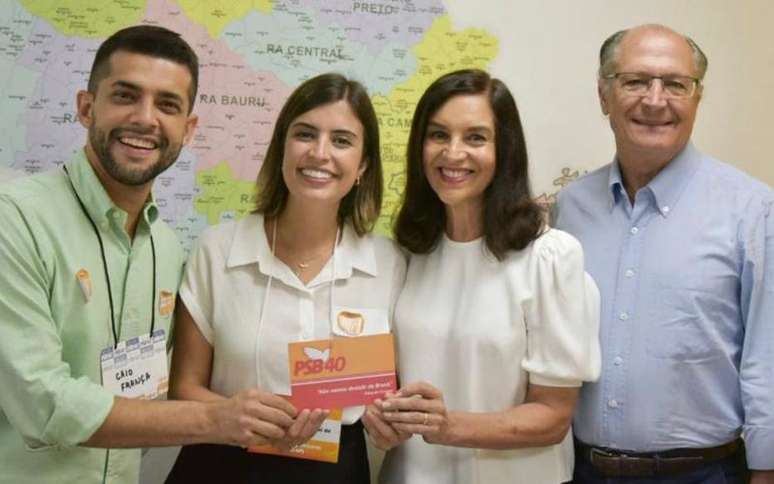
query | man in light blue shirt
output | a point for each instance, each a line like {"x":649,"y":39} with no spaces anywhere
{"x":681,"y":247}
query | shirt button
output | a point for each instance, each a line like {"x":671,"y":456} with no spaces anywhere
{"x":629,"y":273}
{"x":634,"y":230}
{"x":617,"y":361}
{"x":623,"y":316}
{"x":665,"y":209}
{"x":613,"y":403}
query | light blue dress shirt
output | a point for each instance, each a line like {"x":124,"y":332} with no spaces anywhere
{"x":686,"y":275}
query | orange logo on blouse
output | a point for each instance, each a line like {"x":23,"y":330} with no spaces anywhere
{"x":166,"y":303}
{"x":351,"y":323}
{"x":84,"y":280}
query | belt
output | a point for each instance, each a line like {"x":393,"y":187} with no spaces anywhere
{"x":621,"y":463}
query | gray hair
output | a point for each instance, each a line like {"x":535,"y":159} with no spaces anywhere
{"x":609,"y":50}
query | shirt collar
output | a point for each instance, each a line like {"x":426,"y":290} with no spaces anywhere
{"x":670,"y":182}
{"x":95,"y":198}
{"x":615,"y":183}
{"x":89,"y":189}
{"x":250,"y":246}
{"x":667,"y":186}
{"x":355,"y":253}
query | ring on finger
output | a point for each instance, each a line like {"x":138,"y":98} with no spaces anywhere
{"x":427,"y":417}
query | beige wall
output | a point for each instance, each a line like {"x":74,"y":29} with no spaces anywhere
{"x":548,"y":56}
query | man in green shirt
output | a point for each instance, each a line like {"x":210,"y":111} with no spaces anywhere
{"x":87,"y":265}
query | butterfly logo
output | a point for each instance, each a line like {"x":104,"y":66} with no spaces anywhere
{"x":315,"y":354}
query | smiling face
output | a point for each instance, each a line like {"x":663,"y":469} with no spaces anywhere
{"x":137,"y":119}
{"x":459,"y":151}
{"x":323,"y":154}
{"x":651,"y":129}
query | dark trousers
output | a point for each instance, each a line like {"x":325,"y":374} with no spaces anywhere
{"x":224,"y":464}
{"x":732,"y":470}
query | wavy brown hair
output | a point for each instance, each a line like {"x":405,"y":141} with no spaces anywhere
{"x":362,"y":204}
{"x":511,"y":219}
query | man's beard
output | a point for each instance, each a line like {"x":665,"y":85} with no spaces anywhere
{"x":127,"y":174}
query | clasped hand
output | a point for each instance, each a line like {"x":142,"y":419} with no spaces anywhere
{"x":418,"y":408}
{"x":253,"y":417}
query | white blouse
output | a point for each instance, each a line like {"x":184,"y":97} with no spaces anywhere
{"x":225,"y":285}
{"x":480,"y":330}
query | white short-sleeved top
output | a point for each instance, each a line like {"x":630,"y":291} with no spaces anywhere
{"x":224,"y":288}
{"x":480,"y":330}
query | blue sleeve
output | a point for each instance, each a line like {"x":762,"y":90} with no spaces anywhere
{"x":757,"y":365}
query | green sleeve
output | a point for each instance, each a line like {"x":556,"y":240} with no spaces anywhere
{"x":39,"y":397}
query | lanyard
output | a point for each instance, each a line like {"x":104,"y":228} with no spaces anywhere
{"x":105,"y":267}
{"x":268,"y":288}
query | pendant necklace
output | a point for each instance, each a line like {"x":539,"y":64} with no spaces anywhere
{"x":301,"y":266}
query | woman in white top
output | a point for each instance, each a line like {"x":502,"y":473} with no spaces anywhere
{"x":284,"y":274}
{"x":497,"y":323}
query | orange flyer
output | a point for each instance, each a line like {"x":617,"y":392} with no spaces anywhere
{"x":341,"y":372}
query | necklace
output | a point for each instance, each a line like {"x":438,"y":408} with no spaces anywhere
{"x":298,"y":267}
{"x":303,"y":265}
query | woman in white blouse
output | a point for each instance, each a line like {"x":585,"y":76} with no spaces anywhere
{"x":286,"y":273}
{"x":497,"y":323}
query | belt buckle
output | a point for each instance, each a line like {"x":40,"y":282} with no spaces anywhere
{"x":601,"y":453}
{"x":636,"y":466}
{"x":608,"y":463}
{"x":620,"y":464}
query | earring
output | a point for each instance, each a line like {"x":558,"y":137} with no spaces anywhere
{"x":357,"y":181}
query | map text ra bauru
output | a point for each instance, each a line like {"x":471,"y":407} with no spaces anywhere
{"x":225,"y":100}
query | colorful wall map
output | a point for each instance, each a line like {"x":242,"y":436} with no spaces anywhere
{"x":252,"y":54}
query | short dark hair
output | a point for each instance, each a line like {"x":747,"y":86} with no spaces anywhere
{"x":511,"y":219}
{"x":148,"y":40}
{"x":362,"y":204}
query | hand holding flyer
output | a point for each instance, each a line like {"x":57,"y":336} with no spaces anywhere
{"x":332,"y":374}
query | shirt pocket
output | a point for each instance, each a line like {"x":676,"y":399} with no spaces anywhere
{"x":685,"y":325}
{"x":352,"y":321}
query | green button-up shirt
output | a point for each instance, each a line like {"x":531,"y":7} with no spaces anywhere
{"x":52,"y":330}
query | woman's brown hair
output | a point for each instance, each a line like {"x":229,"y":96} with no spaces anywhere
{"x":511,"y":218}
{"x":362,"y":204}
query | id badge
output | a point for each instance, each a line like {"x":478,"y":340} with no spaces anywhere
{"x":137,"y":367}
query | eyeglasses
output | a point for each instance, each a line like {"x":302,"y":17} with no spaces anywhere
{"x":639,"y":84}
